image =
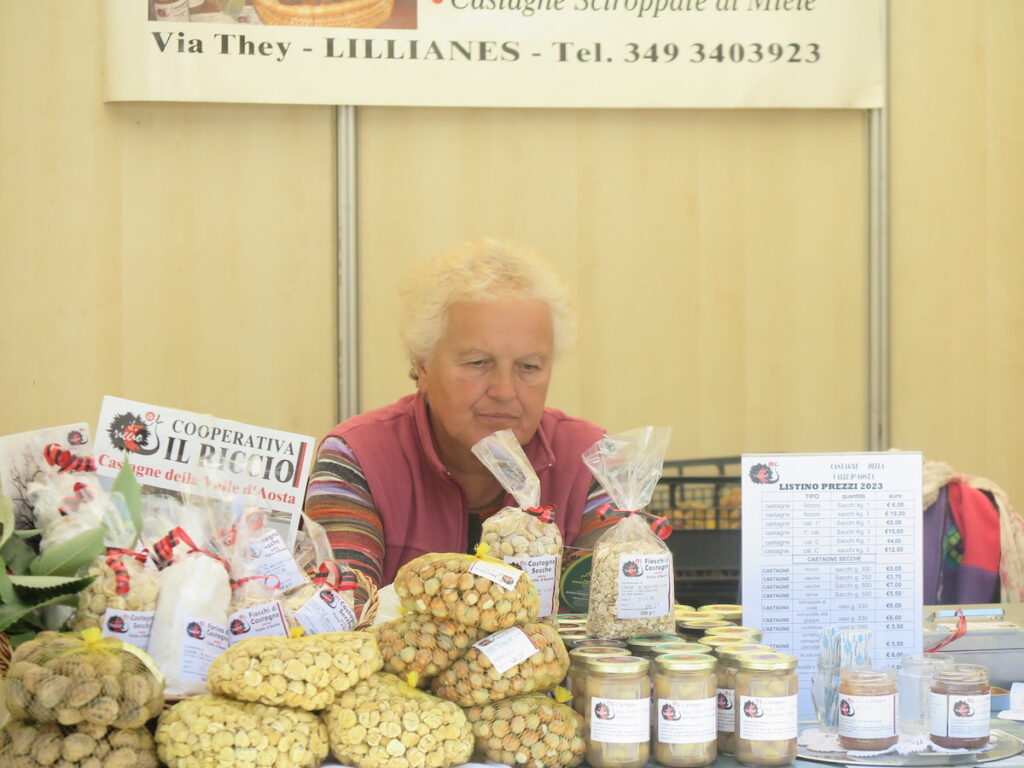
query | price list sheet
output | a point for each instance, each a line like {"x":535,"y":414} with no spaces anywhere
{"x":833,"y":540}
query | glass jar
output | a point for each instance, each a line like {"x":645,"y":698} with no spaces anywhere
{"x":725,"y":674}
{"x":961,"y":704}
{"x":729,"y":612}
{"x":766,"y":709}
{"x":694,"y":629}
{"x":685,"y":710}
{"x":618,"y":712}
{"x":596,"y":642}
{"x":915,"y":689}
{"x":680,"y":646}
{"x":867,"y":708}
{"x":576,"y":678}
{"x":753,"y":633}
{"x":644,"y":646}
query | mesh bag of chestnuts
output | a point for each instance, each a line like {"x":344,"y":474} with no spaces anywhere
{"x":532,"y":731}
{"x":42,"y":745}
{"x":301,"y":672}
{"x":632,"y":586}
{"x":204,"y":731}
{"x":83,"y":678}
{"x":420,"y":643}
{"x":525,"y":536}
{"x":512,"y":662}
{"x":475,"y":590}
{"x":383,"y":721}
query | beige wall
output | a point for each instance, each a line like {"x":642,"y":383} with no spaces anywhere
{"x":180,"y":254}
{"x":185,"y":254}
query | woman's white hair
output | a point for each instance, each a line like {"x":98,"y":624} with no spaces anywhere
{"x":479,"y":271}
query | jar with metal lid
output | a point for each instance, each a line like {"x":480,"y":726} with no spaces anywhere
{"x":717,"y":641}
{"x":725,"y":611}
{"x":568,"y":635}
{"x":961,"y":704}
{"x":685,"y":709}
{"x":915,"y":689}
{"x":695,"y":629}
{"x":595,"y":642}
{"x":618,"y":712}
{"x":725,"y":674}
{"x":683,"y":616}
{"x":766,"y":708}
{"x":680,"y":608}
{"x":867,"y":708}
{"x":752,"y":633}
{"x":644,"y":646}
{"x":576,"y":678}
{"x":679,"y":646}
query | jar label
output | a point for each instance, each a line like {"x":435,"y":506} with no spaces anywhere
{"x":961,"y":715}
{"x":503,"y":575}
{"x":726,"y":703}
{"x":687,"y":721}
{"x":767,"y":718}
{"x":506,"y":648}
{"x":130,"y":626}
{"x":645,"y":586}
{"x":202,"y":642}
{"x":543,"y":572}
{"x":867,"y":717}
{"x":620,"y":721}
{"x":325,"y":611}
{"x":172,"y":10}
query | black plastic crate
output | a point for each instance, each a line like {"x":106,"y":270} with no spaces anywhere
{"x":701,"y":500}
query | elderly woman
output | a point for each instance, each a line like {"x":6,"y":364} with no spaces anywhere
{"x":482,"y":325}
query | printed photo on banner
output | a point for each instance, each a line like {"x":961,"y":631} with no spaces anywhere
{"x":366,"y":14}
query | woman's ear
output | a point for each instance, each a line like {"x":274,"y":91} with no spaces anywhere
{"x":419,"y":375}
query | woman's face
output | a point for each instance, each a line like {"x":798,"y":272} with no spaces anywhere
{"x":489,"y":371}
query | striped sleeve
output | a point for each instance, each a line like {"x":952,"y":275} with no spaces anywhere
{"x":338,"y":498}
{"x":591,"y":527}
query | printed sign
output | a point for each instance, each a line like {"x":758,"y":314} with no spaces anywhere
{"x":174,"y":449}
{"x":504,"y":576}
{"x":25,"y":457}
{"x":203,"y":641}
{"x":500,"y":53}
{"x":325,"y":611}
{"x":543,"y":572}
{"x":132,"y":627}
{"x":506,"y":648}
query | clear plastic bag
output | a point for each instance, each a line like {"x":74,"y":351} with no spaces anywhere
{"x":525,"y":536}
{"x":632,"y":586}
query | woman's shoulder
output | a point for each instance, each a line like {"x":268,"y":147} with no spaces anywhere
{"x":396,"y":411}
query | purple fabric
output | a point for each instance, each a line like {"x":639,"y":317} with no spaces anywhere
{"x":937,"y":518}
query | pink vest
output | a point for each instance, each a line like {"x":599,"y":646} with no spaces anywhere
{"x":423,"y":509}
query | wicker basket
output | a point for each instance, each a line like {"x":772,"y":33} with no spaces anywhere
{"x":5,"y":654}
{"x":346,"y":13}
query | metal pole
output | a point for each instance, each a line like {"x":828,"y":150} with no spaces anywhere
{"x":348,"y":265}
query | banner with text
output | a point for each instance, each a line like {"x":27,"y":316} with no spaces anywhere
{"x":174,"y":449}
{"x":499,"y":53}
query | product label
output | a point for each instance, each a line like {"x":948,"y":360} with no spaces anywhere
{"x":132,"y":627}
{"x":172,"y":10}
{"x":202,"y":642}
{"x":502,"y":575}
{"x":767,"y":718}
{"x":726,"y":704}
{"x":867,"y":717}
{"x":961,"y":716}
{"x":620,"y":721}
{"x":645,"y":586}
{"x":687,"y":721}
{"x":325,"y":612}
{"x":263,"y":620}
{"x":269,"y":556}
{"x":507,"y":648}
{"x":543,"y":572}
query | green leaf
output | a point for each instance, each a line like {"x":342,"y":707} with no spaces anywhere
{"x":28,"y":533}
{"x":38,"y":589}
{"x":6,"y":519}
{"x":128,"y":486}
{"x":18,"y":554}
{"x":7,"y":594}
{"x":66,"y":558}
{"x":26,"y":614}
